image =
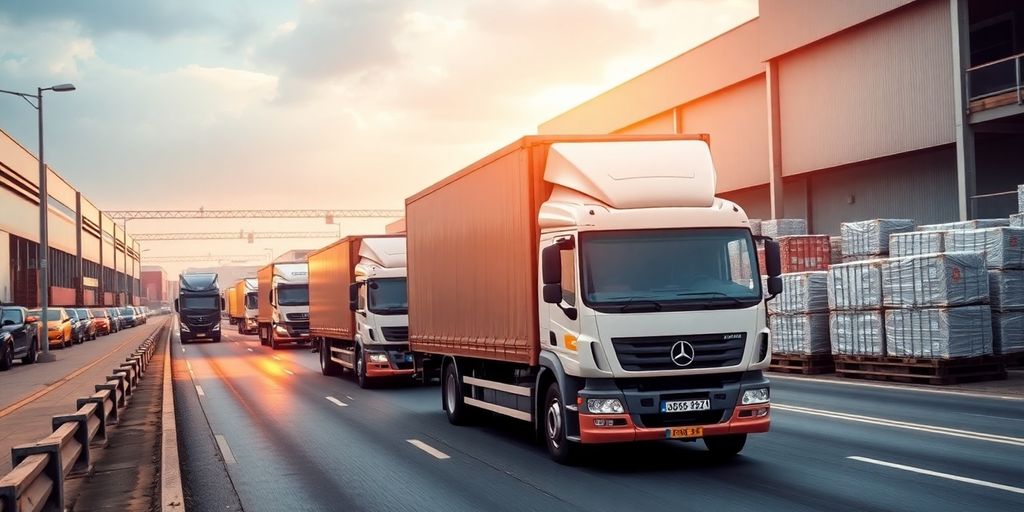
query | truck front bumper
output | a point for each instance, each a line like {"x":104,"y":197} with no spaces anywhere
{"x":747,"y":419}
{"x":291,"y":332}
{"x":399,"y":362}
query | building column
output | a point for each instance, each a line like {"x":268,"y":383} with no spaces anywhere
{"x":677,"y":120}
{"x":79,"y":267}
{"x":774,"y":139}
{"x":964,"y":133}
{"x":100,"y":299}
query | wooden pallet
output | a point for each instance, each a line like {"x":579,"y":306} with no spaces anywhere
{"x":921,"y":371}
{"x":803,"y":364}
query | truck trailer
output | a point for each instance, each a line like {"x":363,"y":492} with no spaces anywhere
{"x":358,"y":309}
{"x":283,"y":304}
{"x":595,"y":287}
{"x":243,"y":305}
{"x":199,"y":305}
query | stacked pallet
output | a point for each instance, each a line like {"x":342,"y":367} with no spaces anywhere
{"x":805,"y":253}
{"x":1007,"y":301}
{"x":775,"y":228}
{"x":799,"y":325}
{"x":915,"y":243}
{"x":1017,"y":220}
{"x":856,"y":324}
{"x":869,"y":239}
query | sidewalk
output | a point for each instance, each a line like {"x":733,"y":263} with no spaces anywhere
{"x":1013,"y":386}
{"x":54,"y":392}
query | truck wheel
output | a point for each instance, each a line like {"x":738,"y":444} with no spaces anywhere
{"x":240,"y":329}
{"x":7,"y":358}
{"x":273,"y":339}
{"x":216,"y":339}
{"x":560,"y":449}
{"x":361,"y":370}
{"x":725,"y":446}
{"x":455,"y":408}
{"x":327,"y":365}
{"x":33,"y":352}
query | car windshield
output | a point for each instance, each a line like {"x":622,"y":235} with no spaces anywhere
{"x":99,"y":313}
{"x":83,"y":313}
{"x":127,"y":312}
{"x":388,"y":296}
{"x":669,"y":269}
{"x":200,"y":302}
{"x":294,"y":295}
{"x":251,"y":301}
{"x":13,"y":315}
{"x":113,"y":312}
{"x":72,"y":314}
{"x":51,"y":314}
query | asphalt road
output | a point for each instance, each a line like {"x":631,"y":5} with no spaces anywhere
{"x":263,"y":430}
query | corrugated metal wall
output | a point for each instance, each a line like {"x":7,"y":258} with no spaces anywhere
{"x":660,"y":124}
{"x":877,"y":89}
{"x":737,"y":120}
{"x":789,"y":24}
{"x":755,"y":201}
{"x":920,"y":185}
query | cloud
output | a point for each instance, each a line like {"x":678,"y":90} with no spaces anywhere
{"x":157,"y":18}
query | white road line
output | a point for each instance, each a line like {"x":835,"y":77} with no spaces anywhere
{"x":276,"y":358}
{"x":189,"y":365}
{"x":967,"y":434}
{"x":993,"y":417}
{"x":438,"y":454}
{"x":199,"y":390}
{"x":335,"y":401}
{"x":289,"y":372}
{"x":350,"y":398}
{"x":947,"y":476}
{"x":225,"y":450}
{"x":902,"y":387}
{"x":249,"y":349}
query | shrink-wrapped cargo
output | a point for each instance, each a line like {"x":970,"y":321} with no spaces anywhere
{"x":1002,"y":247}
{"x":1007,"y":332}
{"x":1017,"y":220}
{"x":755,"y":227}
{"x":865,"y":257}
{"x":871,"y":237}
{"x":800,"y":334}
{"x":802,"y":292}
{"x":835,"y":249}
{"x":855,"y":285}
{"x":966,"y":224}
{"x":935,"y":280}
{"x":1020,"y":198}
{"x":804,"y":253}
{"x":939,"y":332}
{"x":775,"y":228}
{"x":1006,"y":289}
{"x":914,"y":243}
{"x":859,"y":333}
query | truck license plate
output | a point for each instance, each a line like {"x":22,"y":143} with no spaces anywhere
{"x":684,"y":432}
{"x":669,"y":406}
{"x":201,"y":335}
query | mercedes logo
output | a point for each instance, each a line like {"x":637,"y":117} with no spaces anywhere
{"x":682,"y":353}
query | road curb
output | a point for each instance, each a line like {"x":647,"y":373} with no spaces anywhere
{"x":172,"y":498}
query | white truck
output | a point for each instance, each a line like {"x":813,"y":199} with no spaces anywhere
{"x":243,"y":305}
{"x":595,"y":287}
{"x":282,"y":315}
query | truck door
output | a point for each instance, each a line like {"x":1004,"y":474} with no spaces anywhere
{"x":563,"y":318}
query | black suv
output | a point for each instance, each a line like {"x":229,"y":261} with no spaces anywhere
{"x":19,"y":336}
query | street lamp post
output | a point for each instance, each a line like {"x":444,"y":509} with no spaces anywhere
{"x":44,"y":201}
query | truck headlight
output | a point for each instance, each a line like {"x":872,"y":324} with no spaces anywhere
{"x":605,"y":406}
{"x":755,"y":396}
{"x":281,"y":330}
{"x":184,"y":328}
{"x":378,"y":357}
{"x":216,"y":327}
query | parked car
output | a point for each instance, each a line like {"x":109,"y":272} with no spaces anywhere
{"x":58,"y":326}
{"x":79,"y":332}
{"x":116,"y":322}
{"x":102,"y":321}
{"x":91,"y":323}
{"x":140,"y":315}
{"x":19,"y":336}
{"x":128,"y":314}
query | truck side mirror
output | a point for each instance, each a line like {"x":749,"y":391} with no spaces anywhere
{"x":177,"y":309}
{"x":774,"y":286}
{"x":551,"y":268}
{"x":553,"y":293}
{"x":353,"y":296}
{"x":772,"y":258}
{"x":223,"y":305}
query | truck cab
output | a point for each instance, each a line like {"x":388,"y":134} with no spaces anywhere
{"x":199,"y":304}
{"x":250,"y":306}
{"x":381,"y":307}
{"x":283,"y":309}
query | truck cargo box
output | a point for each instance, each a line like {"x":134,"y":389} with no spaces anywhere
{"x":472,"y":250}
{"x":264,"y":278}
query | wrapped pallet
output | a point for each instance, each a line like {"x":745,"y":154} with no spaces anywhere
{"x":804,"y":253}
{"x":1007,"y":332}
{"x":1017,"y":220}
{"x":855,"y":286}
{"x":755,"y":227}
{"x":775,"y":228}
{"x":1020,"y":198}
{"x":800,"y":334}
{"x":1002,"y":247}
{"x":1006,"y":289}
{"x":836,"y":249}
{"x":803,"y":292}
{"x":913,"y":243}
{"x":939,"y":332}
{"x":935,"y":280}
{"x":966,"y":224}
{"x":857,"y":333}
{"x":871,"y":237}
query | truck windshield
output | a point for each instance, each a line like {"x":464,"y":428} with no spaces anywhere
{"x":389,"y":296}
{"x":669,"y":269}
{"x":293,"y":295}
{"x":208,"y":302}
{"x":251,"y":301}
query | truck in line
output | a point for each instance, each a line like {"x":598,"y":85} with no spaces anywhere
{"x":282,"y":315}
{"x":199,"y":305}
{"x":594,"y":287}
{"x":243,"y":304}
{"x":358,"y":313}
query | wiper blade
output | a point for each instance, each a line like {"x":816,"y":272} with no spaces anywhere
{"x":642,"y":305}
{"x":732,"y":299}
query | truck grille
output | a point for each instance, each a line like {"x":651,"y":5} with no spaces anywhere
{"x":650,"y":353}
{"x":397,"y":333}
{"x":681,"y":419}
{"x":297,"y":317}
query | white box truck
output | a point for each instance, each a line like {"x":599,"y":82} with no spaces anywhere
{"x":283,"y":304}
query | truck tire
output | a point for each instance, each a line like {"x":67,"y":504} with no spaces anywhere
{"x":725,"y":446}
{"x":560,"y":448}
{"x":7,"y":357}
{"x":216,"y":339}
{"x":327,"y":366}
{"x":451,"y":391}
{"x":239,"y":324}
{"x":33,"y":352}
{"x":361,"y":370}
{"x":273,"y":339}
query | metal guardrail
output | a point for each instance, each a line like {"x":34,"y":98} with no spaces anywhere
{"x":40,"y":469}
{"x":997,"y":77}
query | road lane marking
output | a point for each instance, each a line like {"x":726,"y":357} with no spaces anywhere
{"x":289,"y":372}
{"x":947,"y":476}
{"x":189,"y":365}
{"x":249,"y":349}
{"x":775,"y":376}
{"x":993,"y":417}
{"x":199,"y":390}
{"x":350,"y":398}
{"x":335,"y":401}
{"x":438,"y":454}
{"x":225,"y":450}
{"x":276,"y":358}
{"x":967,"y":434}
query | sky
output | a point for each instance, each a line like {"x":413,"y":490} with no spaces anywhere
{"x":332,"y":104}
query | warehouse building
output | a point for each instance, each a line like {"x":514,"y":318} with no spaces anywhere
{"x":92,"y":260}
{"x":836,"y":110}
